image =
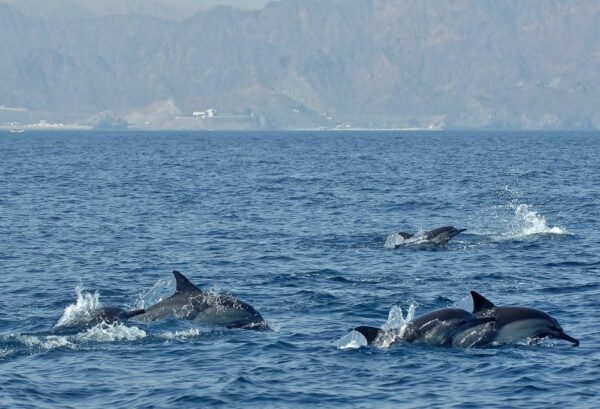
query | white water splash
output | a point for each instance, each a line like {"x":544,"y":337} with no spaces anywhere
{"x":111,"y":332}
{"x":189,"y":333}
{"x":392,"y":240}
{"x":395,"y":326}
{"x":396,"y":319}
{"x":45,"y":342}
{"x":161,"y":289}
{"x":82,"y":309}
{"x":394,"y":329}
{"x":100,"y":333}
{"x":529,"y":222}
{"x":352,"y":340}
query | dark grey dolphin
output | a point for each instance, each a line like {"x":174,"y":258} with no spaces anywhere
{"x":435,"y":328}
{"x":512,"y":324}
{"x":191,"y":303}
{"x":438,"y":237}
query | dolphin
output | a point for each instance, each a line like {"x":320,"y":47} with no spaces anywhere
{"x":191,"y":303}
{"x":435,"y":328}
{"x":438,"y":237}
{"x":512,"y":324}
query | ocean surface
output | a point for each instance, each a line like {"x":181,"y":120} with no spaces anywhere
{"x":295,"y":224}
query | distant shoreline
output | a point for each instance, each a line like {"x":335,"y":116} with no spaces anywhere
{"x":67,"y":128}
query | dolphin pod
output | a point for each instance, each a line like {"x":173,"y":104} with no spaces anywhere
{"x":488,"y":324}
{"x":438,"y":327}
{"x":436,"y":237}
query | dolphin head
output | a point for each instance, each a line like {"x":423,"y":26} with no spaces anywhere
{"x":455,"y":231}
{"x":517,"y":323}
{"x":244,"y":316}
{"x":548,"y":327}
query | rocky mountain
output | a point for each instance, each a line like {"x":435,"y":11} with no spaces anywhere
{"x":311,"y":63}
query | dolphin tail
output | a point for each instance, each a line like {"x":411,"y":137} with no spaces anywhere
{"x":405,"y":235}
{"x":131,"y":314}
{"x":566,"y":337}
{"x":370,"y":333}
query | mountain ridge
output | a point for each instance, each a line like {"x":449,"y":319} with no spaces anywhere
{"x":308,"y":63}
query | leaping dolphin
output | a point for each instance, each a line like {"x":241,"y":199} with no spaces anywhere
{"x":435,"y":328}
{"x":511,"y":324}
{"x":191,"y":303}
{"x":438,"y":237}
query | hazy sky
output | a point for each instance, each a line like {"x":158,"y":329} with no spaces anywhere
{"x":137,"y":3}
{"x":167,"y":9}
{"x":242,"y":3}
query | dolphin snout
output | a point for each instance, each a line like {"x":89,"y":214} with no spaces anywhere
{"x":566,"y":337}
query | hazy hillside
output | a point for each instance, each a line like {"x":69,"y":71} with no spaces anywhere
{"x":308,"y":63}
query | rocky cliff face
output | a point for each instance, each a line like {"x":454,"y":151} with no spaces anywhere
{"x":306,"y":63}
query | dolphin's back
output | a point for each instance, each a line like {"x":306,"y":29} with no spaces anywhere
{"x":440,"y":230}
{"x":444,"y":314}
{"x":506,"y":315}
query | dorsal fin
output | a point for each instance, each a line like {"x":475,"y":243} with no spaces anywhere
{"x":480,"y":303}
{"x":183,"y":284}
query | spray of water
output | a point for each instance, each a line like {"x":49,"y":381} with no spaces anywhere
{"x":392,"y":240}
{"x":82,"y":309}
{"x":160,"y":290}
{"x":111,"y":332}
{"x":529,"y":222}
{"x":393,"y":330}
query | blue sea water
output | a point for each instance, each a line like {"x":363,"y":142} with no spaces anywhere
{"x":295,"y":224}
